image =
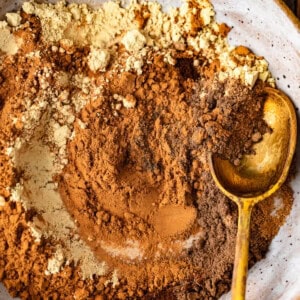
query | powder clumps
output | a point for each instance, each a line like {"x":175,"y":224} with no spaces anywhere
{"x":192,"y":25}
{"x":9,"y":44}
{"x":107,"y":118}
{"x":134,"y":40}
{"x":13,"y":19}
{"x":98,"y":59}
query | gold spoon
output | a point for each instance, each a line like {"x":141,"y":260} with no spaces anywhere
{"x":258,"y":176}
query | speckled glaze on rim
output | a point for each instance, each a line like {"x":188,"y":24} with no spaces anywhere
{"x":270,"y":29}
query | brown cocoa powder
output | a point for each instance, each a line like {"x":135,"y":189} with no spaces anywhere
{"x":139,"y":175}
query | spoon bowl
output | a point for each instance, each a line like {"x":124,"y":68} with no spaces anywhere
{"x":258,"y":176}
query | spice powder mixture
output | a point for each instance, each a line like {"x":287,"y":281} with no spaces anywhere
{"x":106,"y":120}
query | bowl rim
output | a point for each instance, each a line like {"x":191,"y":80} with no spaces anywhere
{"x":287,"y":11}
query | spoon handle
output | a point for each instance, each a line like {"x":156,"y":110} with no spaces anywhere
{"x":241,"y":252}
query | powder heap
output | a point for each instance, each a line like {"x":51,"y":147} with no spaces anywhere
{"x":106,"y":120}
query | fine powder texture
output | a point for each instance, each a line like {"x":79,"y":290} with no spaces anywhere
{"x":107,"y":118}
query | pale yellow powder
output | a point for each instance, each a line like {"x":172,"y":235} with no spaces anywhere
{"x":13,"y":19}
{"x":8,"y":43}
{"x":57,"y":222}
{"x":104,"y":27}
{"x":134,"y":40}
{"x":98,"y":59}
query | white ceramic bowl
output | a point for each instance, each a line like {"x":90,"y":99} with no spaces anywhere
{"x":270,"y":30}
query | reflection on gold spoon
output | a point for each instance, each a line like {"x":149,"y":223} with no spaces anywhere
{"x":258,"y":176}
